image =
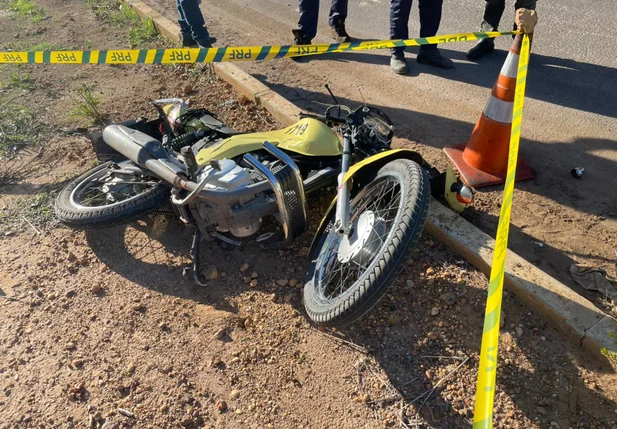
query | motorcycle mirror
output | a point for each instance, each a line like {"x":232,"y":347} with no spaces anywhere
{"x":334,"y":98}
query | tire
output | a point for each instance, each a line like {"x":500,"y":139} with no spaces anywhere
{"x":380,"y":273}
{"x":77,"y":216}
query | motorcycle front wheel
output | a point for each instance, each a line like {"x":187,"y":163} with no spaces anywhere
{"x":109,"y":194}
{"x":348,"y":275}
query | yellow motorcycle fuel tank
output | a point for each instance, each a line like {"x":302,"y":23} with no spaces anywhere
{"x":308,"y":137}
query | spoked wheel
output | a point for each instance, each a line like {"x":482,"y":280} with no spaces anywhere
{"x":108,"y":195}
{"x":348,"y":275}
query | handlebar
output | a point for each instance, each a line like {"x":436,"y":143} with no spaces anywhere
{"x":323,"y":118}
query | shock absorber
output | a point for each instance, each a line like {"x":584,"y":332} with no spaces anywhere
{"x":187,"y":139}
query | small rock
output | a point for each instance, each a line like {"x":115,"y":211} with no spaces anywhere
{"x":78,"y":363}
{"x":430,"y":271}
{"x":210,"y":273}
{"x":541,"y":411}
{"x":251,"y":407}
{"x":288,"y":298}
{"x":126,"y":413}
{"x":221,"y":406}
{"x":393,"y":320}
{"x":247,"y":279}
{"x":130,"y":369}
{"x":164,"y":408}
{"x":186,"y":421}
{"x":235,"y":394}
{"x":433,"y":335}
{"x":96,"y":288}
{"x":219,"y":334}
{"x":248,"y":322}
{"x":253,"y":283}
{"x":188,"y":89}
{"x":293,"y":282}
{"x":282,"y":282}
{"x":244,"y":267}
{"x":410,"y":283}
{"x":139,"y":307}
{"x":519,"y":331}
{"x":434,"y":311}
{"x":71,"y":294}
{"x":254,"y":274}
{"x":70,"y":346}
{"x":448,"y":298}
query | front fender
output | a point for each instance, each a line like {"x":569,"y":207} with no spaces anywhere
{"x":377,"y":161}
{"x":360,"y":170}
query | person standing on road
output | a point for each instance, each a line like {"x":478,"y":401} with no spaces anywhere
{"x":309,"y":16}
{"x":430,"y":18}
{"x":493,"y":12}
{"x":192,"y":25}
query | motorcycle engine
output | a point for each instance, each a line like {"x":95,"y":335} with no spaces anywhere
{"x":230,"y":178}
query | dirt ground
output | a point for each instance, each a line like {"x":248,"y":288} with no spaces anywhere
{"x":557,"y":220}
{"x":100,"y":330}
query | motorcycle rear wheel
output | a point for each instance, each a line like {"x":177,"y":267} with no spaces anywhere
{"x":348,"y":276}
{"x":100,"y":199}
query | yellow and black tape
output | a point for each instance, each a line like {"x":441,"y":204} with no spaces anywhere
{"x":225,"y":54}
{"x":487,"y":373}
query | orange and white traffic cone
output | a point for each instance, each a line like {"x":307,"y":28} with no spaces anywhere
{"x":483,"y":160}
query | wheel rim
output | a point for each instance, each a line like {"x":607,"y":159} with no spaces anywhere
{"x":108,"y":188}
{"x":343,"y":260}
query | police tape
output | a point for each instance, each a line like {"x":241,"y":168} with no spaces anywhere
{"x":224,"y":54}
{"x":485,"y":390}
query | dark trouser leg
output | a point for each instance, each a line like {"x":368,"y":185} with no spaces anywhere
{"x":492,"y":14}
{"x":191,"y":15}
{"x":309,"y":16}
{"x":338,"y":11}
{"x":399,"y":22}
{"x":185,"y":28}
{"x":430,"y":18}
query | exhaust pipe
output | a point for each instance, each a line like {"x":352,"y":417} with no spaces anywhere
{"x":146,"y":152}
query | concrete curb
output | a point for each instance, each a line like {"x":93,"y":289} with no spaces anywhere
{"x":572,"y":314}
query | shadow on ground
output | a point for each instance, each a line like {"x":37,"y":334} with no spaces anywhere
{"x":560,"y":81}
{"x":537,"y":368}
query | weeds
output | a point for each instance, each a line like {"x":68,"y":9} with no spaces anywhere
{"x":117,"y":12}
{"x":36,"y":211}
{"x":18,"y":128}
{"x":21,"y":80}
{"x":88,"y":106}
{"x":26,"y":8}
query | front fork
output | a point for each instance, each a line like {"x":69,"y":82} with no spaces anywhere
{"x":343,"y":190}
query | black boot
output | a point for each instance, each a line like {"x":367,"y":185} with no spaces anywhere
{"x":338,"y":31}
{"x":300,"y":38}
{"x":189,"y":42}
{"x":433,"y":57}
{"x":482,"y":48}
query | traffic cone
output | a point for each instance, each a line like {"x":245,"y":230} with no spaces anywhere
{"x":483,"y":160}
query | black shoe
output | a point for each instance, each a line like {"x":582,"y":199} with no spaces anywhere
{"x":300,"y":38}
{"x":434,"y":58}
{"x":482,"y":48}
{"x":189,"y":42}
{"x":338,"y":31}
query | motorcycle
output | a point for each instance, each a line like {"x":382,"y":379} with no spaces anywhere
{"x":223,"y":183}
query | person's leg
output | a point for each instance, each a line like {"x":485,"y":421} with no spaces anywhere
{"x":399,"y":23}
{"x":338,"y":11}
{"x":493,"y":10}
{"x":195,"y":20}
{"x":338,"y":14}
{"x":309,"y":16}
{"x":185,"y":28}
{"x":430,"y":18}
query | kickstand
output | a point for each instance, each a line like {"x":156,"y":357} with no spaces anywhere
{"x":195,"y":254}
